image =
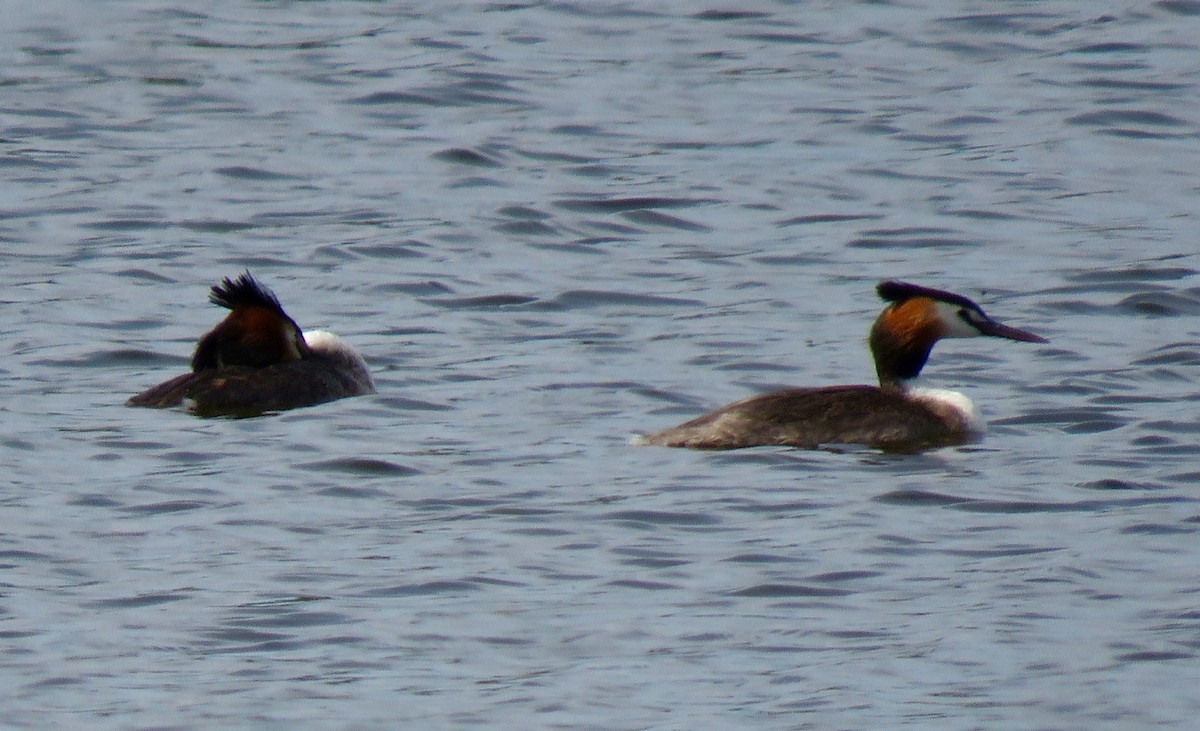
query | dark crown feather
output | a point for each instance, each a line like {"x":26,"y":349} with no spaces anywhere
{"x":898,"y":292}
{"x":244,"y":292}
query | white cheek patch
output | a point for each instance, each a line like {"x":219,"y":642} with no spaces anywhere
{"x":955,"y":326}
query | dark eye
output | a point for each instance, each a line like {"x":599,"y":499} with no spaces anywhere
{"x":971,"y":317}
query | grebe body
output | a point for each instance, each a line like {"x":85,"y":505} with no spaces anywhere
{"x":895,"y":415}
{"x":258,"y":360}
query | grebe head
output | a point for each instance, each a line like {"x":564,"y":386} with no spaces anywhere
{"x":918,"y":317}
{"x":256,"y":333}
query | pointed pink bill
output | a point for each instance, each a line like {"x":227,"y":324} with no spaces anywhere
{"x":997,"y":330}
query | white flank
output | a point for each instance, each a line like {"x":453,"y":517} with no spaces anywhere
{"x":954,"y":400}
{"x":331,"y":346}
{"x":326,"y":342}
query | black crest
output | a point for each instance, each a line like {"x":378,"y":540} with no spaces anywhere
{"x":244,"y":292}
{"x":898,"y":292}
{"x":239,"y":341}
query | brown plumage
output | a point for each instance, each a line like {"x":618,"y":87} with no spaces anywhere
{"x":249,"y":391}
{"x":808,"y":418}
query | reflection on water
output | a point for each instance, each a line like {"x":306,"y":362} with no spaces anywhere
{"x":548,"y":229}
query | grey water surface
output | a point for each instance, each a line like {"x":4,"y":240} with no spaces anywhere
{"x":549,"y":227}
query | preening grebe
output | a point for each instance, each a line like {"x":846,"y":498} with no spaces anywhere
{"x":893,"y":415}
{"x":258,"y":360}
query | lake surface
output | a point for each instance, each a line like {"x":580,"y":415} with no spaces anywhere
{"x":549,"y":228}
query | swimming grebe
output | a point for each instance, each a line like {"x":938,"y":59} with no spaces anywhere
{"x":257,"y":360}
{"x":893,"y":415}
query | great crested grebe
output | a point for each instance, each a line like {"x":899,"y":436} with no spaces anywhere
{"x":257,"y":360}
{"x":893,"y":415}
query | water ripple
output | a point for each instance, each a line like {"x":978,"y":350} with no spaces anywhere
{"x":787,"y":591}
{"x":551,"y":226}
